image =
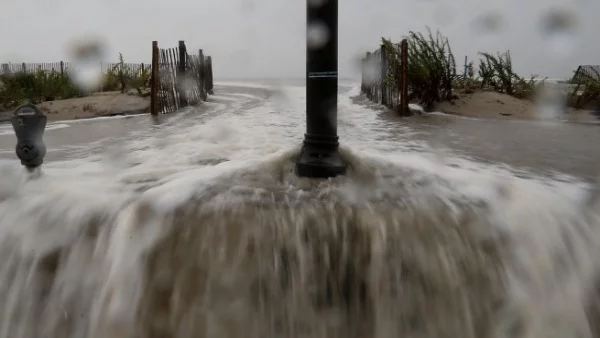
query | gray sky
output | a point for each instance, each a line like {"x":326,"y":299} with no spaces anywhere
{"x":266,"y":38}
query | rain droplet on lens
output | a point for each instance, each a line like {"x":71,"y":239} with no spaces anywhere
{"x":248,"y":5}
{"x":551,"y":102}
{"x":557,"y":21}
{"x":357,"y":62}
{"x":87,"y":56}
{"x":317,"y":34}
{"x":443,"y":15}
{"x":189,"y":85}
{"x":372,"y":70}
{"x":490,"y":22}
{"x":558,"y":28}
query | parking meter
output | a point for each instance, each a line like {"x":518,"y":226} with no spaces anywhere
{"x":29,"y":124}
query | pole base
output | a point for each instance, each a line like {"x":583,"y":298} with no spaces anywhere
{"x":314,"y":162}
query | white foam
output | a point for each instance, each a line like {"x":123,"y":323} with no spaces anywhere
{"x":102,"y":118}
{"x":174,"y":163}
{"x":8,"y":130}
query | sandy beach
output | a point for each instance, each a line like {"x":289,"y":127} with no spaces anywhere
{"x":484,"y":104}
{"x":95,"y":105}
{"x":493,"y":105}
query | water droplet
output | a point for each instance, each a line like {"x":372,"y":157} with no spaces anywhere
{"x":317,"y":34}
{"x":372,"y":70}
{"x":443,"y":15}
{"x":490,"y":22}
{"x":248,"y":6}
{"x":558,"y":27}
{"x":189,"y":85}
{"x":356,"y":61}
{"x":551,"y":102}
{"x":87,"y":57}
{"x":487,"y":28}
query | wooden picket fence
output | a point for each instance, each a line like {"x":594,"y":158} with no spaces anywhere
{"x":12,"y":68}
{"x":64,"y":68}
{"x":385,"y":77}
{"x":179,"y":79}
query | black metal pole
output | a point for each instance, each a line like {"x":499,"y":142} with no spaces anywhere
{"x":319,"y":157}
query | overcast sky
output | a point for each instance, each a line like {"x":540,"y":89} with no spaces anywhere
{"x":266,"y":38}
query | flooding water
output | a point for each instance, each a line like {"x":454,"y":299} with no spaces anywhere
{"x":194,"y":225}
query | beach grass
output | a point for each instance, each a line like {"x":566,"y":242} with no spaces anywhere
{"x":39,"y":86}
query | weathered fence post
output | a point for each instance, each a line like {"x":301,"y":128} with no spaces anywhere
{"x":181,"y":76}
{"x":369,"y":77}
{"x":384,"y":80}
{"x":209,"y":87}
{"x":404,"y":86}
{"x":362,"y":75}
{"x":154,"y":80}
{"x":202,"y":74}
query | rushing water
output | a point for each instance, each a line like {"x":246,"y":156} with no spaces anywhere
{"x":194,"y":225}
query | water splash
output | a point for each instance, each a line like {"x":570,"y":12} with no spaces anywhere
{"x":402,"y":246}
{"x":386,"y":251}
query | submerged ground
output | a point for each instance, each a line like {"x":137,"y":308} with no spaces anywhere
{"x":194,"y":225}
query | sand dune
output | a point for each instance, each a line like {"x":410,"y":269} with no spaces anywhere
{"x":493,"y":105}
{"x":95,"y":105}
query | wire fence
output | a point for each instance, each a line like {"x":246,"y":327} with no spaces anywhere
{"x":179,"y":79}
{"x":384,"y":77}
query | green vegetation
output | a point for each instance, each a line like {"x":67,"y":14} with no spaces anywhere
{"x":121,"y":77}
{"x":141,"y":80}
{"x":467,"y":83}
{"x":35,"y":87}
{"x":432,"y":73}
{"x":18,"y":88}
{"x":111,"y":81}
{"x":497,"y":72}
{"x":431,"y":67}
